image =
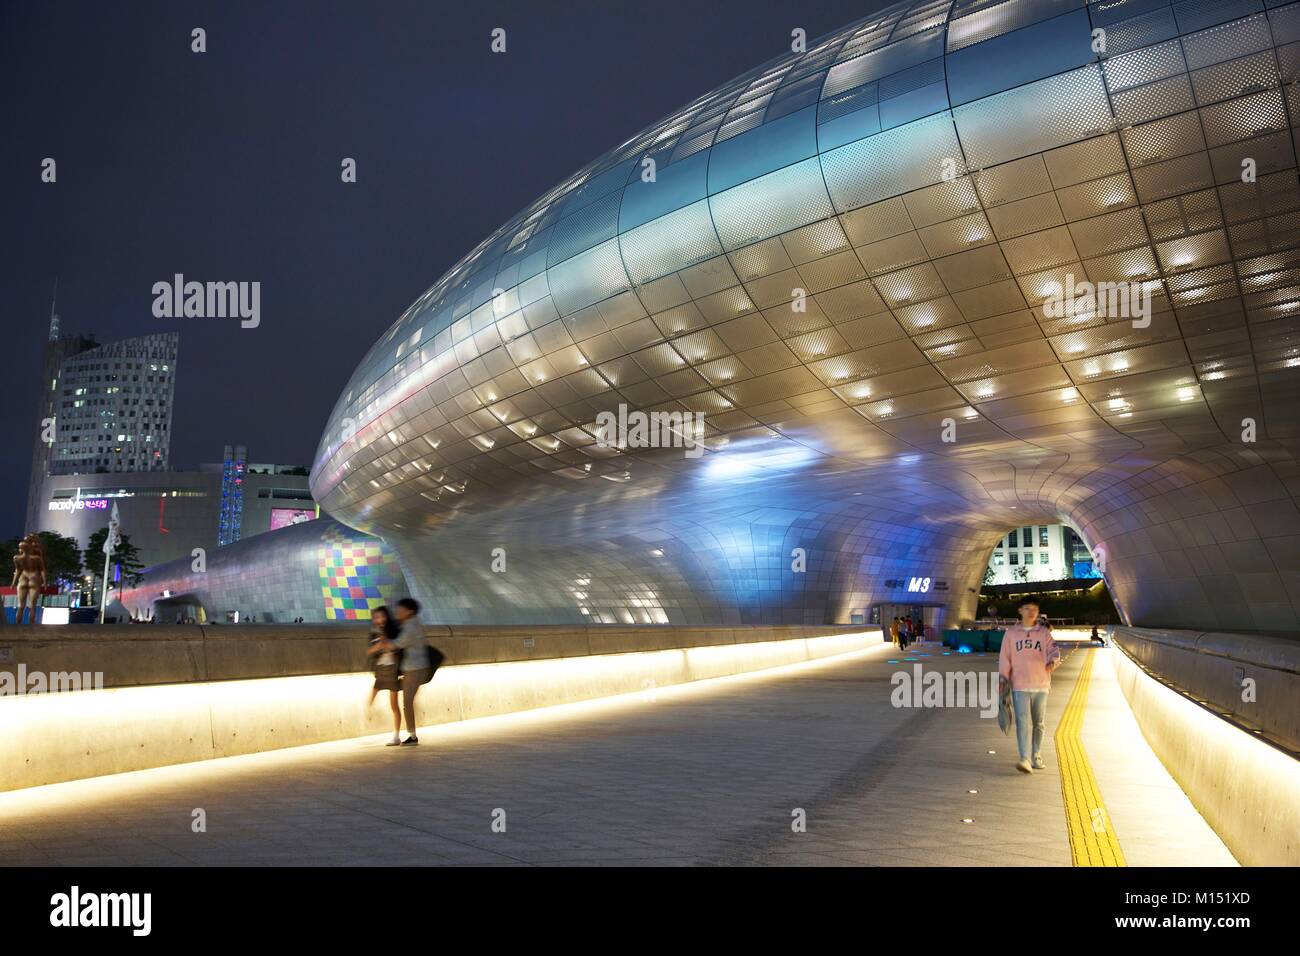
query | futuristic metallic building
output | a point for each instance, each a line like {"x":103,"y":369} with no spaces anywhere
{"x":841,"y":260}
{"x":320,"y":571}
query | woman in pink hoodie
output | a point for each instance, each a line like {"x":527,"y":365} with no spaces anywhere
{"x":1028,"y":657}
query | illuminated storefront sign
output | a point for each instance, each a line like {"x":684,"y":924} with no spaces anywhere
{"x":283,"y":517}
{"x":80,"y":504}
{"x":917,"y":585}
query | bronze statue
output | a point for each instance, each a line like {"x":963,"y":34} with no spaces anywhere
{"x":29,"y":576}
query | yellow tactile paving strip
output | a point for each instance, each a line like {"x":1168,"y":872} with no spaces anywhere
{"x":1092,"y":838}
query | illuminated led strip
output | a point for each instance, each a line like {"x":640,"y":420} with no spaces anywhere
{"x":1092,"y":839}
{"x":153,"y":725}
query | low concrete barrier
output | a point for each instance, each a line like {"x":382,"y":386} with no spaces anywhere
{"x":1256,"y":680}
{"x":1245,"y":787}
{"x":130,"y":655}
{"x":176,"y":694}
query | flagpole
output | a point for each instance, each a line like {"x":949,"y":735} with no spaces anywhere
{"x":103,"y":589}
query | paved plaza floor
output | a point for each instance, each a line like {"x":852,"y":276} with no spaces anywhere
{"x":713,"y":773}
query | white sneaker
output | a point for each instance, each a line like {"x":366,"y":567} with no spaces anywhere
{"x":1023,"y":767}
{"x":1038,"y":762}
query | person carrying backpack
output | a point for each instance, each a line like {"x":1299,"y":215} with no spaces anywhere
{"x":1025,"y":663}
{"x":417,"y":665}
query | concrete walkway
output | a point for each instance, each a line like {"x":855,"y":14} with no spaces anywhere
{"x":710,"y":773}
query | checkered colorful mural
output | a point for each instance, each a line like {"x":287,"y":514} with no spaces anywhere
{"x":355,"y":575}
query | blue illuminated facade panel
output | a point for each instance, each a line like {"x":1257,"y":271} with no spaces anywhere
{"x":234,"y":471}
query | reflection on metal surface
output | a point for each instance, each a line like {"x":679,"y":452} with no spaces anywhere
{"x":840,"y":260}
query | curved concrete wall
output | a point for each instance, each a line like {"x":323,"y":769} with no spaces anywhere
{"x":183,"y":695}
{"x":1246,"y":788}
{"x":1254,"y":679}
{"x":129,"y":656}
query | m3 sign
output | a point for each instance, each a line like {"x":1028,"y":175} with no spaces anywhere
{"x":917,"y":585}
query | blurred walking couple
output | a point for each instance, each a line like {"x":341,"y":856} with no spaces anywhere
{"x":403,"y":660}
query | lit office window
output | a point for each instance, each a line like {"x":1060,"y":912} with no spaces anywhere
{"x":1042,"y":536}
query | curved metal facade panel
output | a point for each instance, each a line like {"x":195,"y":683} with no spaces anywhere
{"x":321,"y":571}
{"x":833,"y":257}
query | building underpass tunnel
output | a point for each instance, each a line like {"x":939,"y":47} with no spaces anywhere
{"x":180,"y":609}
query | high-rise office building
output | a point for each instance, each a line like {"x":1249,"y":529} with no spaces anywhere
{"x":58,"y":349}
{"x":114,"y":407}
{"x":1032,"y":553}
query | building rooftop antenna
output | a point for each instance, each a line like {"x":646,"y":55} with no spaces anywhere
{"x":54,"y":314}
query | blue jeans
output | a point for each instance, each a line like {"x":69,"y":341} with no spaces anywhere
{"x":1029,"y":704}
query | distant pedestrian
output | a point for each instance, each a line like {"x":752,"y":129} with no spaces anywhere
{"x":893,"y":633}
{"x":385,"y":657}
{"x":1026,"y":661}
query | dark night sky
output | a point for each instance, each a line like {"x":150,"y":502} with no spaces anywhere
{"x":225,"y":166}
